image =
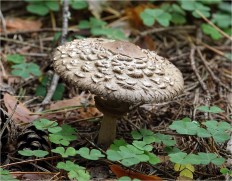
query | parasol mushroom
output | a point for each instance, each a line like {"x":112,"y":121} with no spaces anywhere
{"x":120,"y":74}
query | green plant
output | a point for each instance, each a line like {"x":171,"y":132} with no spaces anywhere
{"x":6,"y":176}
{"x":42,"y":8}
{"x":74,"y":171}
{"x":41,"y":89}
{"x":149,"y":16}
{"x":226,"y":171}
{"x":24,"y":70}
{"x":15,"y":58}
{"x":99,"y":28}
{"x":141,"y":147}
{"x":185,"y":170}
{"x":21,"y":68}
{"x":36,"y":153}
{"x":80,"y":4}
{"x":176,"y":13}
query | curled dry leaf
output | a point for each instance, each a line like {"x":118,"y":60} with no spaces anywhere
{"x":21,"y":114}
{"x":120,"y":172}
{"x":18,"y":24}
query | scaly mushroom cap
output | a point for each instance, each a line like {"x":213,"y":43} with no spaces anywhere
{"x":118,"y":71}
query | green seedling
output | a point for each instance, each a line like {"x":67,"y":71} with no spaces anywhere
{"x":70,"y":151}
{"x":90,"y":154}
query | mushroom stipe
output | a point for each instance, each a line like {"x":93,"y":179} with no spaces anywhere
{"x":120,"y":74}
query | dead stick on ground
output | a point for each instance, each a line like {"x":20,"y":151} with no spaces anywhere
{"x":55,"y":78}
{"x":203,"y":85}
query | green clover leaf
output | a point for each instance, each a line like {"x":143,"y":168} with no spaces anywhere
{"x":90,"y":154}
{"x":37,"y":153}
{"x":70,"y":151}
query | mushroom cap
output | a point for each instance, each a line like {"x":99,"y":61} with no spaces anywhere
{"x":118,"y":71}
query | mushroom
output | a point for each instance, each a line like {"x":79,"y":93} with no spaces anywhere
{"x":120,"y":74}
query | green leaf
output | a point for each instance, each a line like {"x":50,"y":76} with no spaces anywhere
{"x":178,"y":19}
{"x":166,"y":139}
{"x":64,"y":136}
{"x":185,"y":127}
{"x":40,"y":91}
{"x":97,"y":23}
{"x":192,"y":159}
{"x":90,"y":154}
{"x":74,"y":171}
{"x":84,"y":24}
{"x":222,"y":20}
{"x":43,"y":124}
{"x":70,"y":151}
{"x":15,"y":58}
{"x":212,"y":109}
{"x":203,"y":133}
{"x":146,"y":135}
{"x":225,"y":6}
{"x":24,"y":70}
{"x":78,"y":4}
{"x":178,"y":157}
{"x":149,"y":16}
{"x":128,"y":155}
{"x":58,"y":94}
{"x":212,"y":32}
{"x":142,"y":145}
{"x":117,"y":143}
{"x":37,"y":153}
{"x":39,"y":9}
{"x":206,"y":157}
{"x":5,"y":175}
{"x":153,"y":159}
{"x":52,"y":5}
{"x":218,"y":161}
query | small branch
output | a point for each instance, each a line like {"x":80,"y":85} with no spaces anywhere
{"x":213,"y":25}
{"x":55,"y":79}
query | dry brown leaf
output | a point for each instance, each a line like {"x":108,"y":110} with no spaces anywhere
{"x":18,"y":24}
{"x":83,"y":113}
{"x":21,"y":113}
{"x":120,"y":172}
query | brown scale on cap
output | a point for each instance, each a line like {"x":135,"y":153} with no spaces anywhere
{"x":118,"y":68}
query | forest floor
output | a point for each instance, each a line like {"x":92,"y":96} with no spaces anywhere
{"x":207,"y":81}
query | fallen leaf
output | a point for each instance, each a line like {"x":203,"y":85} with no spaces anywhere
{"x":18,"y":24}
{"x":21,"y":114}
{"x":82,"y":113}
{"x":120,"y":172}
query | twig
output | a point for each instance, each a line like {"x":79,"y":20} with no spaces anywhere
{"x":203,"y":85}
{"x":55,"y":79}
{"x":22,"y":43}
{"x":29,"y":161}
{"x":3,"y":22}
{"x":216,"y":79}
{"x":213,"y":25}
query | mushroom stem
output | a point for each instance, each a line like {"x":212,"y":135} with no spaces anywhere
{"x":107,"y":132}
{"x":112,"y":111}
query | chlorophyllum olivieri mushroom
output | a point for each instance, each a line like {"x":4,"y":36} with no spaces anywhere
{"x":120,"y":74}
